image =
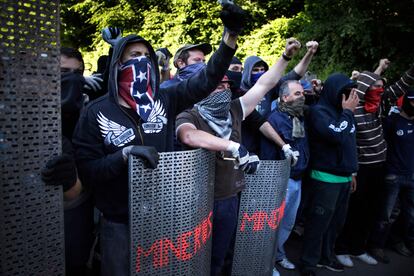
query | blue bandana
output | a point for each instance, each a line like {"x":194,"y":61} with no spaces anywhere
{"x":255,"y":77}
{"x":190,"y":70}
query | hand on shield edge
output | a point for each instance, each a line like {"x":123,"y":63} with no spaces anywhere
{"x":60,"y":170}
{"x":239,"y":152}
{"x":148,"y":154}
{"x":253,"y":165}
{"x":288,"y":152}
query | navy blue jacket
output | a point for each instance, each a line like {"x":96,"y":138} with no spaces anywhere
{"x":282,"y":123}
{"x":399,"y":133}
{"x":332,"y":139}
{"x":104,"y":128}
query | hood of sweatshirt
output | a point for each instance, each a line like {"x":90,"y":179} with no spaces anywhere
{"x":249,"y":63}
{"x":332,"y":90}
{"x":116,"y":62}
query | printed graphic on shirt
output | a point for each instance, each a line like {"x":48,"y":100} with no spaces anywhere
{"x":114,"y":133}
{"x":156,"y":120}
{"x":400,"y":132}
{"x":342,"y":127}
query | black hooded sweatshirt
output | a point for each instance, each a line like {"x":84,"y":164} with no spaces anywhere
{"x":332,"y":138}
{"x":104,"y":127}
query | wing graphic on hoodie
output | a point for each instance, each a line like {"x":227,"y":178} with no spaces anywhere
{"x":113,"y":132}
{"x":157,"y":114}
{"x":156,"y":120}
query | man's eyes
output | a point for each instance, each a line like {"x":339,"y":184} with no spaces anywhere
{"x":138,"y":54}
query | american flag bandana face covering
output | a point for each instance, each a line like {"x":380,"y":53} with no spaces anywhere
{"x":134,"y":84}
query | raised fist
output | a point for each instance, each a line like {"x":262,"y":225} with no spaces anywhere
{"x":292,"y":47}
{"x":111,"y":35}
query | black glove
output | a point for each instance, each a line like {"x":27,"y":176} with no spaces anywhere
{"x":112,"y":35}
{"x":163,"y":56}
{"x":93,"y":82}
{"x":148,"y":154}
{"x":165,"y":51}
{"x":60,"y":170}
{"x":234,"y":18}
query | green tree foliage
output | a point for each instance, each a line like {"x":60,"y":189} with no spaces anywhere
{"x":352,"y":34}
{"x":356,"y":34}
{"x":268,"y":41}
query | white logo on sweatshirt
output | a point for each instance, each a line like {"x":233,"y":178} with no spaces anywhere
{"x":113,"y":132}
{"x":342,"y":126}
{"x":156,"y":119}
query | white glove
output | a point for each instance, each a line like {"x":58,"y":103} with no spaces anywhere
{"x":93,"y":82}
{"x":240,"y":153}
{"x":289,"y":153}
{"x":354,"y":75}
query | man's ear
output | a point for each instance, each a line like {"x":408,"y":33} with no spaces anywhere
{"x":181,"y":63}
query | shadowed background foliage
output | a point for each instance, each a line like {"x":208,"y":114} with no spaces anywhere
{"x":353,"y":35}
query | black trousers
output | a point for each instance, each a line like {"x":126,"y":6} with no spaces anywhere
{"x":363,"y":211}
{"x":326,"y":216}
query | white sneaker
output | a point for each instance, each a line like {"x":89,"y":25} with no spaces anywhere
{"x":285,"y":263}
{"x":366,"y":259}
{"x":275,"y":272}
{"x":345,"y":260}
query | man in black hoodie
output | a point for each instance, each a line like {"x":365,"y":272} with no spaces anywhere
{"x":333,"y":160}
{"x":137,"y":117}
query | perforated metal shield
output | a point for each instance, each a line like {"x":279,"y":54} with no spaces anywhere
{"x":171,"y":214}
{"x":261,"y":210}
{"x":31,"y":215}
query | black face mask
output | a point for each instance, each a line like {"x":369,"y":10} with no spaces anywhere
{"x":407,"y":107}
{"x":71,"y":101}
{"x":235,"y":77}
{"x":311,"y":99}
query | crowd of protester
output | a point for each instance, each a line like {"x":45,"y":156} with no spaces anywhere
{"x":350,"y":140}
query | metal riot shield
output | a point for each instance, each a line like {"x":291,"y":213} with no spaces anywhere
{"x":171,"y":214}
{"x":262,"y":206}
{"x":31,"y":215}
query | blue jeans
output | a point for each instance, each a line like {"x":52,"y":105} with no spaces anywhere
{"x":114,"y":238}
{"x":293,"y":193}
{"x":224,"y":228}
{"x":402,"y":186}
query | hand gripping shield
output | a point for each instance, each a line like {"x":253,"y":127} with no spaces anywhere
{"x":171,"y":214}
{"x":262,"y":206}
